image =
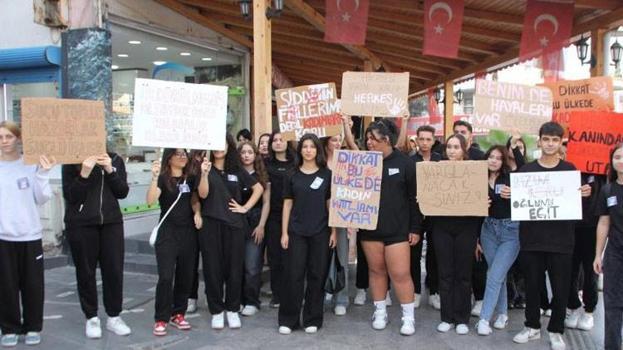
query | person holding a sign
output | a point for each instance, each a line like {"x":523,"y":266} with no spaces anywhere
{"x":176,"y":243}
{"x":94,"y":223}
{"x":22,"y":188}
{"x":610,"y":261}
{"x":306,"y":237}
{"x":455,"y":242}
{"x":387,"y":248}
{"x":547,"y":245}
{"x":221,"y":239}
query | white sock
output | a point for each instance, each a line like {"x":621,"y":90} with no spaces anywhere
{"x":407,"y":310}
{"x":380,"y":305}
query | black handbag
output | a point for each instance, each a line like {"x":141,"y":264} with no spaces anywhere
{"x":336,"y":279}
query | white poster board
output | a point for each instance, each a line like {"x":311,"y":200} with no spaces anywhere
{"x":179,"y":115}
{"x":547,"y":195}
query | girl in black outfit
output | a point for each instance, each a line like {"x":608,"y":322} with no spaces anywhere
{"x":176,"y":244}
{"x":195,"y":158}
{"x":278,"y":164}
{"x":94,"y":225}
{"x":306,"y":237}
{"x":222,"y":236}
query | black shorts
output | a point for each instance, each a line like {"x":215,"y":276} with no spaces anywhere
{"x":386,"y":239}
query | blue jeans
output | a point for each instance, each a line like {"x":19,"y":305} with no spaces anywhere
{"x":499,"y":239}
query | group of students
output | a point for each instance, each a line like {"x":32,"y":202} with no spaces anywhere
{"x":230,"y":206}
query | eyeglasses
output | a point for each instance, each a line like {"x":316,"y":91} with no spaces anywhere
{"x":181,"y":154}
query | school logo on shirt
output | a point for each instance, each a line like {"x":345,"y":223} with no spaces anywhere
{"x":232,"y":178}
{"x":183,"y":188}
{"x":612,"y":201}
{"x":498,"y":188}
{"x":317,"y":183}
{"x":22,"y":183}
{"x":393,"y":171}
{"x":591,"y":179}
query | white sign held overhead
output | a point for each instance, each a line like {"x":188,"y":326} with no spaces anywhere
{"x":179,"y":115}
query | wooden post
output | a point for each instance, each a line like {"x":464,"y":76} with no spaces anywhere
{"x":597,"y":52}
{"x":448,"y":109}
{"x":262,"y":70}
{"x":368,"y":66}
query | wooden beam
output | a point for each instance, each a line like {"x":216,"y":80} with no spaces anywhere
{"x":597,"y":51}
{"x":448,"y":108}
{"x":598,"y":4}
{"x":262,"y":65}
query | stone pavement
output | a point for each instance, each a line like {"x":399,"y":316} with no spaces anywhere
{"x":64,"y":326}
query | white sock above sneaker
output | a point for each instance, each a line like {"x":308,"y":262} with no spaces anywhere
{"x":380,"y":305}
{"x":408,"y":310}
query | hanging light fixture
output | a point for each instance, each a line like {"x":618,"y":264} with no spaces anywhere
{"x":276,"y":10}
{"x":615,"y":52}
{"x":458,"y":96}
{"x":245,"y":8}
{"x":437,"y":95}
{"x":581,"y":47}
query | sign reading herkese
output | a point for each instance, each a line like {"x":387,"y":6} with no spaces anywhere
{"x":308,"y":109}
{"x":453,"y":188}
{"x":68,"y":130}
{"x":356,"y":189}
{"x":375,"y":94}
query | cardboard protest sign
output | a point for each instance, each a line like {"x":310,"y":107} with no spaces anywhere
{"x":453,"y":188}
{"x":546,"y":195}
{"x":508,"y":106}
{"x":375,"y":94}
{"x":68,"y":130}
{"x":179,"y":115}
{"x":594,"y":94}
{"x":308,"y":109}
{"x":591,"y":137}
{"x":356,"y":189}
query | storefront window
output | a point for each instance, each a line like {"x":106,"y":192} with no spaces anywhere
{"x":13,"y":93}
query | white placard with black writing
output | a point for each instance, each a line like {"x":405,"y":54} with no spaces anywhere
{"x":547,"y":195}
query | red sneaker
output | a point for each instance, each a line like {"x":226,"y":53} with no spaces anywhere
{"x":180,"y":322}
{"x":160,"y":328}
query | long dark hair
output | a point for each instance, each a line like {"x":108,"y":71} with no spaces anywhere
{"x":321,"y":159}
{"x":258,"y":164}
{"x":232,"y":158}
{"x":612,"y":173}
{"x":290,"y":155}
{"x":462,"y":142}
{"x":505,"y":168}
{"x":194,"y":165}
{"x":169,"y":181}
{"x":385,"y":128}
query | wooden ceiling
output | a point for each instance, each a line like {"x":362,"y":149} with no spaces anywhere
{"x":490,"y":37}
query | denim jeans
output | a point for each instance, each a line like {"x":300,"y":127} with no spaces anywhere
{"x":500,"y":242}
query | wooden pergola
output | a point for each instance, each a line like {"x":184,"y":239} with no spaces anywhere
{"x":293,"y":42}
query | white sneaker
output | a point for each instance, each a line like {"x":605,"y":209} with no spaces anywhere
{"x":434,"y":301}
{"x":586,"y":322}
{"x":572,"y":318}
{"x":477,"y":308}
{"x":379,"y":320}
{"x":500,"y":322}
{"x":328,"y":297}
{"x":408,"y":326}
{"x":388,"y":299}
{"x":93,"y":328}
{"x":218,"y":321}
{"x":117,"y":326}
{"x":339,"y":310}
{"x":483,"y":327}
{"x":360,"y":297}
{"x":311,"y":329}
{"x":192,"y":306}
{"x":462,"y":329}
{"x":417,"y":299}
{"x":233,"y":320}
{"x":249,"y":310}
{"x":556,"y":342}
{"x":526,"y":335}
{"x":444,"y":327}
{"x":548,"y":313}
{"x":284,"y":330}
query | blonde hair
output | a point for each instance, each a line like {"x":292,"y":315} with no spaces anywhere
{"x":12,"y":127}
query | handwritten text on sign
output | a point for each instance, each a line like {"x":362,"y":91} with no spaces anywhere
{"x":308,"y":109}
{"x":375,"y":94}
{"x":179,"y":115}
{"x":507,"y":106}
{"x":68,"y":130}
{"x":453,"y":188}
{"x":547,"y":195}
{"x":356,"y":189}
{"x":591,"y":137}
{"x":594,"y":94}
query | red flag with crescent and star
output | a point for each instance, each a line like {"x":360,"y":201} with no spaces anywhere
{"x":443,"y":20}
{"x":547,"y":26}
{"x":346,"y":21}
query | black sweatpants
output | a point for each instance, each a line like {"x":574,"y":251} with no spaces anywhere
{"x":455,"y":257}
{"x":362,"y":278}
{"x":558,"y":266}
{"x":432,"y":275}
{"x":276,"y":256}
{"x":613,"y":297}
{"x":583,"y":257}
{"x":222,"y":254}
{"x":194,"y":289}
{"x":21,"y":273}
{"x":479,"y":278}
{"x":176,"y":248}
{"x":103,"y":244}
{"x":307,"y":263}
{"x":416,"y":267}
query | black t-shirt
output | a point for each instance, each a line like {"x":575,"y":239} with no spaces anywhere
{"x":277,"y":172}
{"x":182,"y":213}
{"x":500,"y":208}
{"x":475,"y":153}
{"x":589,"y":204}
{"x":556,"y":236}
{"x":247,"y":192}
{"x":310,"y":193}
{"x":223,"y":187}
{"x":434,"y":157}
{"x":610,"y":202}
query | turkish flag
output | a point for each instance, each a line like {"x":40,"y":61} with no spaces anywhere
{"x":553,"y":64}
{"x":346,"y":21}
{"x":433,"y":109}
{"x":547,"y":25}
{"x":442,"y":27}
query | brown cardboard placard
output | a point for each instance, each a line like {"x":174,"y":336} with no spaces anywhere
{"x":453,"y":188}
{"x":375,"y":94}
{"x":593,"y":94}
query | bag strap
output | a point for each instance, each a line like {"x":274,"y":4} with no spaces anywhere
{"x":154,"y":233}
